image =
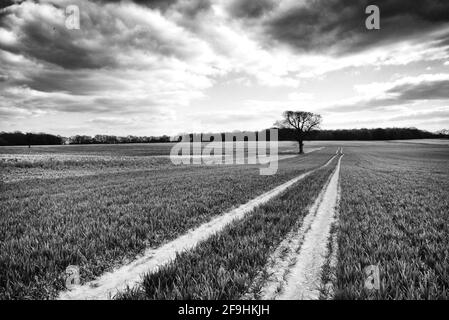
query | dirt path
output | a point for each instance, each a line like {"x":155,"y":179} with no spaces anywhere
{"x":294,"y":269}
{"x":106,"y":286}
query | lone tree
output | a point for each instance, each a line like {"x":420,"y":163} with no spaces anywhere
{"x":301,"y":122}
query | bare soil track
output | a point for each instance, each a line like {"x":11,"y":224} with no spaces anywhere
{"x":109,"y":284}
{"x":295,"y":267}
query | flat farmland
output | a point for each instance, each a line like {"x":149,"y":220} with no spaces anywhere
{"x":394,"y":214}
{"x":126,"y":150}
{"x":227,"y":265}
{"x":327,"y":215}
{"x":22,"y":163}
{"x":99,"y":219}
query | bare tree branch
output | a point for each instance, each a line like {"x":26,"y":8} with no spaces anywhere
{"x":302,"y":122}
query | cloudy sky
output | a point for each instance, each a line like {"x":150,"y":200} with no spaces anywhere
{"x":167,"y":67}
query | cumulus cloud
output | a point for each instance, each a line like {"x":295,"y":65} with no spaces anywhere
{"x":429,"y":115}
{"x":123,"y":59}
{"x":402,"y":91}
{"x":112,"y":121}
{"x":158,"y":58}
{"x":110,"y":36}
{"x":438,"y":89}
{"x":158,"y":4}
{"x":339,"y":26}
{"x":251,"y":9}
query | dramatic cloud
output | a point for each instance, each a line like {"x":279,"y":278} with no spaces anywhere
{"x":436,"y":114}
{"x":251,"y":9}
{"x":339,"y":26}
{"x":124,"y":59}
{"x":422,"y":91}
{"x":403,"y":91}
{"x":178,"y":65}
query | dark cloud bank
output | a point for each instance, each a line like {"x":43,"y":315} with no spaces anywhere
{"x":400,"y":95}
{"x":323,"y":26}
{"x":332,"y":26}
{"x":339,"y":25}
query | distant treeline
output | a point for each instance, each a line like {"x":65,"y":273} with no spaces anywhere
{"x":108,"y":139}
{"x":19,"y":138}
{"x":366,"y":134}
{"x":343,"y":134}
{"x":22,"y":139}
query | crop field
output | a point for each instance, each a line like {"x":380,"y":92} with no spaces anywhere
{"x":101,"y":207}
{"x":23,"y":163}
{"x":98,"y":221}
{"x":394,"y":213}
{"x":225,"y":266}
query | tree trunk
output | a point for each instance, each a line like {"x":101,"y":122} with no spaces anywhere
{"x":301,"y":147}
{"x":300,"y":139}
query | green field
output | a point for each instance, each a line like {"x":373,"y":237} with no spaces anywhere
{"x":97,"y":221}
{"x":225,"y":266}
{"x":99,"y":206}
{"x":394,"y":213}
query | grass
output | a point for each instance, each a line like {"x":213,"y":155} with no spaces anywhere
{"x":86,"y":163}
{"x":19,"y":163}
{"x":49,"y":168}
{"x":111,"y":203}
{"x":225,"y":265}
{"x":394,"y":213}
{"x":102,"y":220}
{"x":130,"y":149}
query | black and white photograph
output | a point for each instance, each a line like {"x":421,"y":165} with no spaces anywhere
{"x":226,"y":155}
